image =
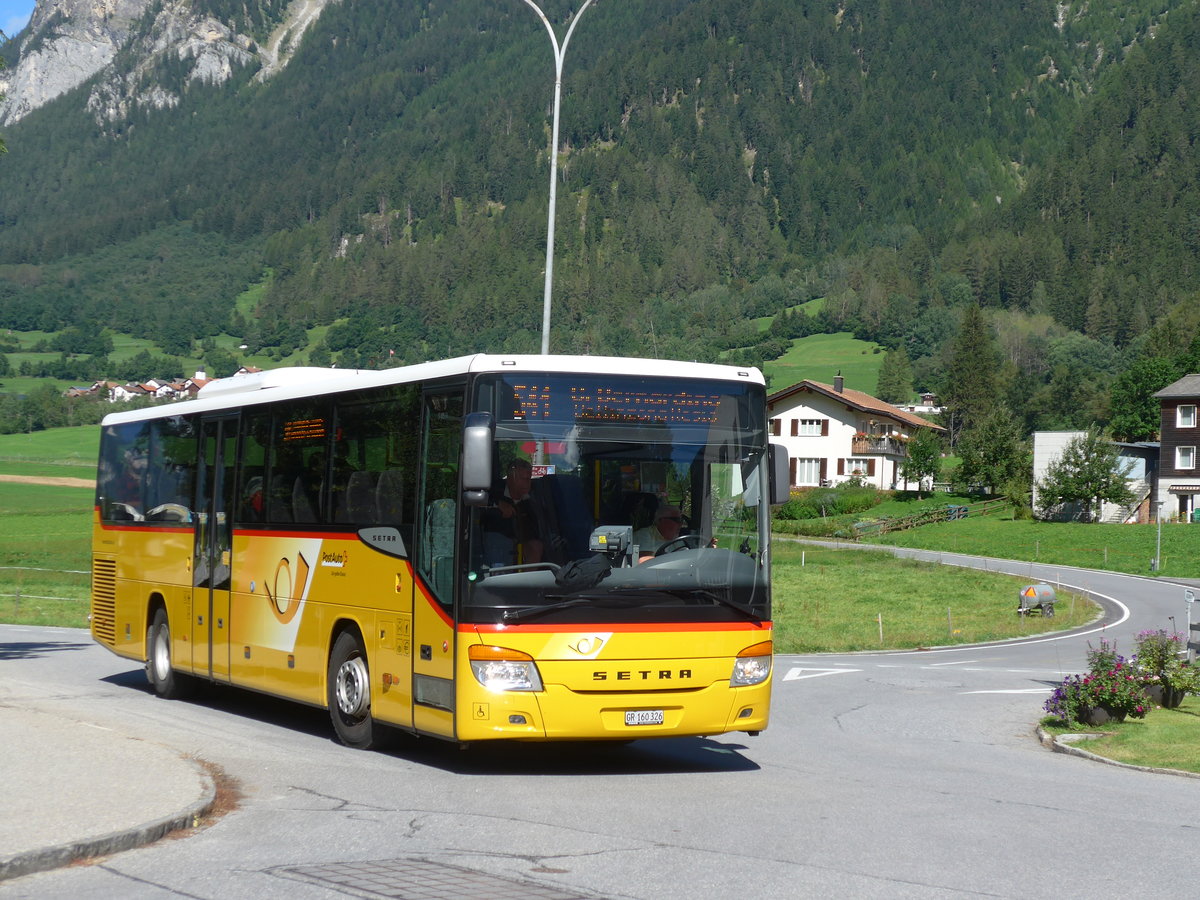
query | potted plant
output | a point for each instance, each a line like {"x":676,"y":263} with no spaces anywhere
{"x":1165,"y":677}
{"x":1112,"y":689}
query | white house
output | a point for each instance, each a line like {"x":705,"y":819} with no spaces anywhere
{"x":833,"y":433}
{"x":1138,"y":461}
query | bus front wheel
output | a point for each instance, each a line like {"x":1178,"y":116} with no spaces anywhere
{"x":349,"y":692}
{"x":167,"y":683}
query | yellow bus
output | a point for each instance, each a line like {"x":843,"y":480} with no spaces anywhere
{"x":490,"y":547}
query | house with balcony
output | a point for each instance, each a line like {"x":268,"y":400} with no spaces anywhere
{"x":1178,"y":489}
{"x":834,"y":433}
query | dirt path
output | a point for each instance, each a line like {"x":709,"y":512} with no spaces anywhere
{"x":61,"y":482}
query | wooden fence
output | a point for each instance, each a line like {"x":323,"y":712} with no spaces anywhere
{"x":928,"y":516}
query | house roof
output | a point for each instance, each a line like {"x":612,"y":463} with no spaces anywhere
{"x":855,"y":400}
{"x":1187,"y":386}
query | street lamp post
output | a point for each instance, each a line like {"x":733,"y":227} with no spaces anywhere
{"x":559,"y":53}
{"x":1158,"y":545}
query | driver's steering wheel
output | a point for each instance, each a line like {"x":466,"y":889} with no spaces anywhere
{"x":690,"y":541}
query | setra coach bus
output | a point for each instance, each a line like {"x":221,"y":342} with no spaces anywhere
{"x":490,"y":547}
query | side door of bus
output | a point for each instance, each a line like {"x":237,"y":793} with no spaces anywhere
{"x":212,"y":555}
{"x":438,"y":541}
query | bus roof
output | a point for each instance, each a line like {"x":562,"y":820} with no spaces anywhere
{"x":296,"y":382}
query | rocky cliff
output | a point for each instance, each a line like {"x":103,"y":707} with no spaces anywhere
{"x":119,"y":44}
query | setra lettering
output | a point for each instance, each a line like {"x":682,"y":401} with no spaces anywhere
{"x":643,"y":675}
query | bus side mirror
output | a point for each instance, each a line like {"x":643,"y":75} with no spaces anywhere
{"x":478,"y":440}
{"x":780,"y":476}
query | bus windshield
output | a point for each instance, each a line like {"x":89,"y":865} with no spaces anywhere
{"x":619,"y":499}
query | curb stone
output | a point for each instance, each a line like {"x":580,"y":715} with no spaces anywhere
{"x":1065,"y":743}
{"x":42,"y":859}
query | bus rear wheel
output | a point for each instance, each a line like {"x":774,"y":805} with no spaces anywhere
{"x":349,"y":692}
{"x":167,"y":683}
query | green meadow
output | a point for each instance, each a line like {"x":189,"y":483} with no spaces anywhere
{"x":819,"y":357}
{"x":826,"y":599}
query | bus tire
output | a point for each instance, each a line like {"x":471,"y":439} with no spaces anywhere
{"x":348,"y":692}
{"x":167,"y":683}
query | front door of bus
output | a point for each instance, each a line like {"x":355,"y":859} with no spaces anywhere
{"x":214,"y":547}
{"x":437,"y":546}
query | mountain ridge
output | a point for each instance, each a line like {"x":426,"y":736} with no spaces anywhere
{"x":70,"y":42}
{"x":719,"y":160}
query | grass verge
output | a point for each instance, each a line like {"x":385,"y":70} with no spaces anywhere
{"x":1165,"y":739}
{"x":829,"y":600}
{"x":1115,"y":548}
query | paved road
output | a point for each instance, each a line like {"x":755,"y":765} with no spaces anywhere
{"x":882,"y":775}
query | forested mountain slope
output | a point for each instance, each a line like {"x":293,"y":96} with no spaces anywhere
{"x":721,"y":159}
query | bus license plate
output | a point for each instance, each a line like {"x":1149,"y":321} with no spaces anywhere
{"x":643,"y":717}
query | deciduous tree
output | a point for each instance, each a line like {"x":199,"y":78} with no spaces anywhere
{"x":924,"y":460}
{"x":1135,"y":411}
{"x":1088,"y":472}
{"x":995,"y":458}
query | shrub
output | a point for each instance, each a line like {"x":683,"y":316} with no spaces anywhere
{"x":1157,"y":662}
{"x":819,"y":503}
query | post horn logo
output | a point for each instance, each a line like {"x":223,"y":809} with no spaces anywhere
{"x":589,"y":647}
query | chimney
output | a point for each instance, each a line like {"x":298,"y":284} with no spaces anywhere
{"x":838,"y":382}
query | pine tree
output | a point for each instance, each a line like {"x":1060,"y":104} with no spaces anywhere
{"x":895,"y":377}
{"x":970,"y":392}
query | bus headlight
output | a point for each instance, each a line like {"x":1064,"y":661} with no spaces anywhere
{"x":752,"y":666}
{"x":501,"y":669}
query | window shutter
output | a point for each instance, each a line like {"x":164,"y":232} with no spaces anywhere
{"x":870,"y":468}
{"x":841,"y":467}
{"x":792,"y":465}
{"x":795,"y":427}
{"x":824,"y":428}
{"x":775,"y":429}
{"x":824,"y":474}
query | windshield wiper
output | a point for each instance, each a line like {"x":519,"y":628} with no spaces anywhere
{"x":627,"y":599}
{"x":606,"y":600}
{"x":487,"y":571}
{"x":688,"y":593}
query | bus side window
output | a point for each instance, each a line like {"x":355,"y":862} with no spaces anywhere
{"x":123,"y":464}
{"x":438,"y":543}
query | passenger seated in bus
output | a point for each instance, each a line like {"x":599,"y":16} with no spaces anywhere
{"x":511,"y":531}
{"x":126,"y":499}
{"x":253,"y":500}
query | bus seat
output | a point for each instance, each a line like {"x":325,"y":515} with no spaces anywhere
{"x":389,"y":497}
{"x":358,"y":500}
{"x":638,"y":508}
{"x":573,"y":513}
{"x":279,"y":500}
{"x":302,"y":505}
